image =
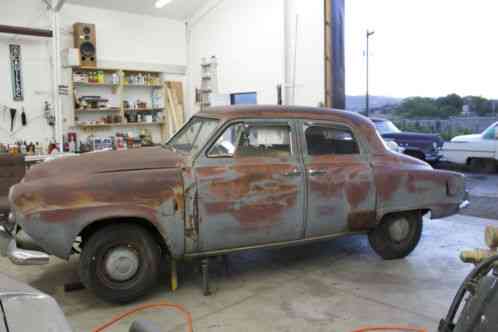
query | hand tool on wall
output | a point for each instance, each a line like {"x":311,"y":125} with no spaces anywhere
{"x":24,"y":121}
{"x":13,"y":112}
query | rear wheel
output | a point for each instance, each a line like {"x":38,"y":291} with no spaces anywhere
{"x":397,"y":235}
{"x":120,"y":263}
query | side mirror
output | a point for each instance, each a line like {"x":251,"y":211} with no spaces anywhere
{"x":142,"y":325}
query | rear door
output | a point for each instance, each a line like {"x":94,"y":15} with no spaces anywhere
{"x":251,"y":186}
{"x":340,"y":186}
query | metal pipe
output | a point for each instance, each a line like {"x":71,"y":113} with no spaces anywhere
{"x":367,"y":96}
{"x":26,"y":31}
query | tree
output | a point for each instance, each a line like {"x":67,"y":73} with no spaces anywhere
{"x":480,"y":105}
{"x":453,"y":100}
{"x":418,"y":107}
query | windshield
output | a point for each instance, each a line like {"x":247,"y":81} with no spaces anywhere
{"x":386,"y":127}
{"x":193,"y":135}
{"x":491,"y":132}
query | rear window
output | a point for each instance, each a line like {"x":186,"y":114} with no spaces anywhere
{"x":322,"y":140}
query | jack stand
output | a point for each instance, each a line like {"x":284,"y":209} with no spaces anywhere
{"x":205,"y":276}
{"x":174,"y":276}
{"x":226,"y":264}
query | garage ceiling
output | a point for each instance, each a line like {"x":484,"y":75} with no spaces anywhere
{"x":176,"y":9}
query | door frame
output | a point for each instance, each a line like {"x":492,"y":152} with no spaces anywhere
{"x":296,"y":156}
{"x":364,"y":155}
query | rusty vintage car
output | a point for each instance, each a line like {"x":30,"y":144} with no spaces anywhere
{"x":233,"y":178}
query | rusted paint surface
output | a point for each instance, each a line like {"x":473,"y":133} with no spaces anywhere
{"x":249,"y":201}
{"x":200,"y":205}
{"x":345,"y":189}
{"x":56,"y":202}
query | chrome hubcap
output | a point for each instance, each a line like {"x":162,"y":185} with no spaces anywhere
{"x":121,"y":263}
{"x":399,"y":230}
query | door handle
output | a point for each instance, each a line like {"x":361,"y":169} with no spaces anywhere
{"x":317,"y":172}
{"x":295,"y":172}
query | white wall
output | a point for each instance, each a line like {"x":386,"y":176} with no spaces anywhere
{"x":130,"y":41}
{"x":36,"y":71}
{"x":124,"y":40}
{"x":247,"y":37}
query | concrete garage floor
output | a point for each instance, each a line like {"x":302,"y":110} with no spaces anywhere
{"x":339,"y":285}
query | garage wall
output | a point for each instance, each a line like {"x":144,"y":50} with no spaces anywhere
{"x":127,"y":39}
{"x":36,"y":71}
{"x":247,"y":37}
{"x":124,"y":40}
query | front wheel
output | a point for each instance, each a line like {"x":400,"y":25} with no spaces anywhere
{"x":397,"y":235}
{"x":120,"y":263}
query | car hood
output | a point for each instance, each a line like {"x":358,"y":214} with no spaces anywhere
{"x":108,"y":162}
{"x":415,"y":137}
{"x":19,"y":301}
{"x":467,"y":138}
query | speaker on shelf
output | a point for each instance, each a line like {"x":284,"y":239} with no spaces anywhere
{"x":86,"y":41}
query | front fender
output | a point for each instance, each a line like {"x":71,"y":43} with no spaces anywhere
{"x":56,"y":230}
{"x":54,"y":211}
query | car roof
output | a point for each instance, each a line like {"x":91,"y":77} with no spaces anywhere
{"x":272,"y":111}
{"x":355,"y":120}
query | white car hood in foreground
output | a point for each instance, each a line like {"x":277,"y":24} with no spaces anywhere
{"x":467,"y":138}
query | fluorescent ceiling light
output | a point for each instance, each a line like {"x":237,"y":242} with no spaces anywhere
{"x":162,"y":3}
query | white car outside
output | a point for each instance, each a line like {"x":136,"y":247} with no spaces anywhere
{"x":479,"y":150}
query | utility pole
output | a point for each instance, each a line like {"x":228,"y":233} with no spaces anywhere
{"x":367,"y":97}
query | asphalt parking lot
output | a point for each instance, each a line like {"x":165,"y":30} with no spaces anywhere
{"x":339,"y":286}
{"x":483,"y":192}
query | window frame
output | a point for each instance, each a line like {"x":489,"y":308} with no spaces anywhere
{"x":305,"y":124}
{"x":293,"y":136}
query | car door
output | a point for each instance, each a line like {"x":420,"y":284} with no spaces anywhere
{"x":250,"y":185}
{"x":340,"y":186}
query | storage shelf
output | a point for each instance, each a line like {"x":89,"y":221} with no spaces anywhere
{"x":95,"y":84}
{"x":143,"y":85}
{"x":110,"y":125}
{"x":96,"y":110}
{"x":159,"y":109}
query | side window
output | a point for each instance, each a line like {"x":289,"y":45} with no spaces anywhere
{"x":253,"y":140}
{"x":322,"y":140}
{"x":226,"y":144}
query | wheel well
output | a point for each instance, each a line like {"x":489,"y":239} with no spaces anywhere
{"x":421,"y":212}
{"x":95,"y":226}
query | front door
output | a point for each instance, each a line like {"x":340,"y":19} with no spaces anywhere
{"x":341,"y":193}
{"x":250,"y":186}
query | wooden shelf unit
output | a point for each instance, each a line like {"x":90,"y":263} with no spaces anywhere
{"x":118,"y":89}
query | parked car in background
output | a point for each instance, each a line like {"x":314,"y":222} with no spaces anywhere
{"x":479,"y":151}
{"x":232,"y":179}
{"x":426,"y":147}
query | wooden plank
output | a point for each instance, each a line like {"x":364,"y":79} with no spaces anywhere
{"x":26,"y":31}
{"x":174,"y":95}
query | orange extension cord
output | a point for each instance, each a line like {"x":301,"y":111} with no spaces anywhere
{"x":179,"y":308}
{"x":391,"y":328}
{"x":188,"y":318}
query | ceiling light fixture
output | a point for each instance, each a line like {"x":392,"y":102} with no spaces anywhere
{"x":162,"y":3}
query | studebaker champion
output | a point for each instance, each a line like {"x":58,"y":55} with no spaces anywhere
{"x":233,"y":178}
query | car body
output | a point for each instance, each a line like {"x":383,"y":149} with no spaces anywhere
{"x":478,"y":150}
{"x":419,"y":145}
{"x":25,"y":309}
{"x":233,"y":178}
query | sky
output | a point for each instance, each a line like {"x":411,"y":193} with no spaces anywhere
{"x":423,"y":47}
